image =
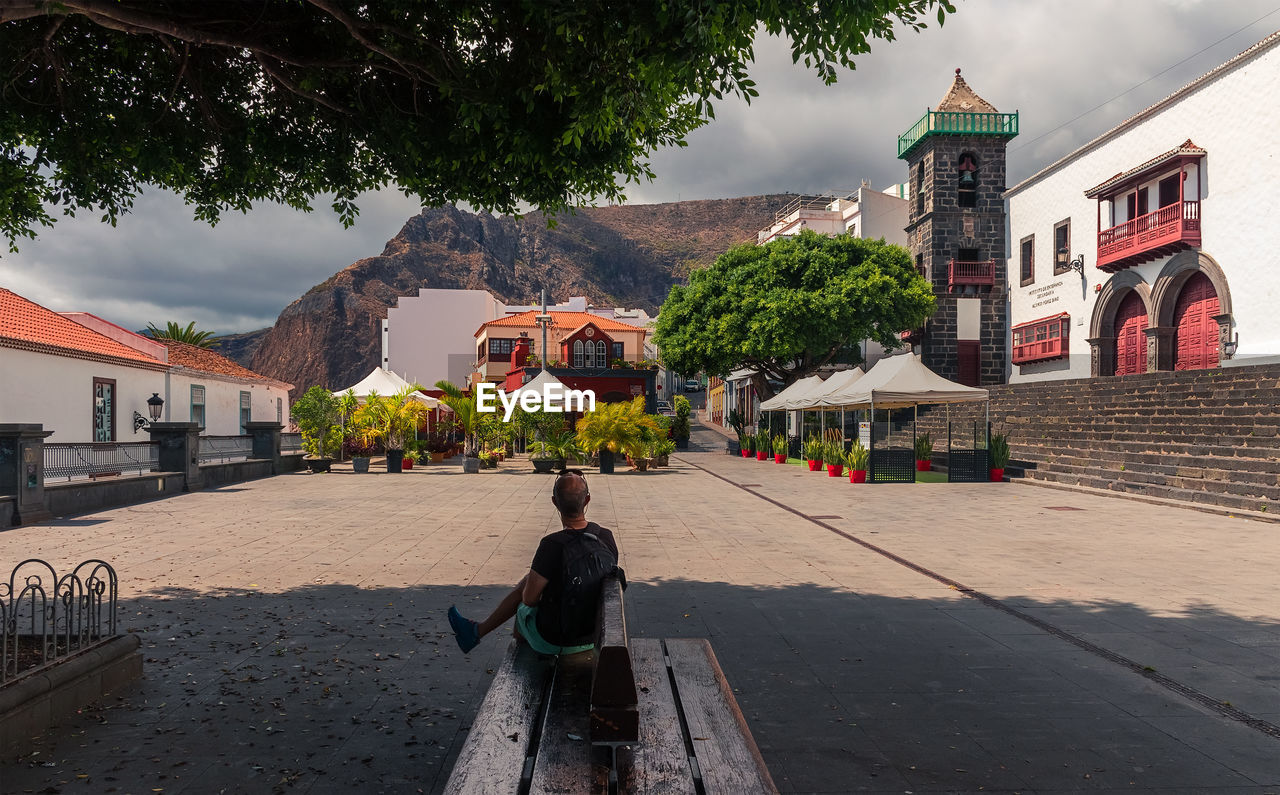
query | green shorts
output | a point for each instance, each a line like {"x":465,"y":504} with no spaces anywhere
{"x":527,"y":626}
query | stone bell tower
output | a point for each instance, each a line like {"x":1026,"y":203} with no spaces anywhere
{"x":956,"y":232}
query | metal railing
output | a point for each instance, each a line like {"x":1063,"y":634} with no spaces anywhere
{"x":1152,"y":229}
{"x":44,"y":617}
{"x":290,"y":443}
{"x":72,"y":460}
{"x":956,"y":123}
{"x":225,"y":448}
{"x":960,"y":272}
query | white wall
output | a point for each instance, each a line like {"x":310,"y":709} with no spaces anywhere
{"x":222,"y":401}
{"x":57,"y":392}
{"x":882,"y":216}
{"x":1234,"y":117}
{"x":424,"y":330}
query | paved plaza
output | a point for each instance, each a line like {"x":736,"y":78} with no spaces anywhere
{"x":889,"y":638}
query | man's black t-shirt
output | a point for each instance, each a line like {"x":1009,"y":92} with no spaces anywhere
{"x":548,"y":561}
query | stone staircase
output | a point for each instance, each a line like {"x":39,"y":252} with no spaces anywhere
{"x":1205,"y":436}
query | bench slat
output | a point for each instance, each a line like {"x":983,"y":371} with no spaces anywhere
{"x":727,"y":755}
{"x":565,"y":765}
{"x":658,"y":765}
{"x":613,"y":688}
{"x":492,"y":758}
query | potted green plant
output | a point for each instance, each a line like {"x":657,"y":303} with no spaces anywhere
{"x":662,"y":452}
{"x":411,"y":452}
{"x":746,"y":445}
{"x":616,"y":428}
{"x":924,"y":453}
{"x":998,"y":451}
{"x":833,"y":457}
{"x":764,"y":445}
{"x":779,"y":449}
{"x":858,"y":458}
{"x":488,"y":459}
{"x":467,"y":416}
{"x":318,"y":413}
{"x":813,"y":452}
{"x":680,"y":429}
{"x":553,"y":452}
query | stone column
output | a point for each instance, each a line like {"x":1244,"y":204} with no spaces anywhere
{"x":22,"y":470}
{"x":1160,"y":347}
{"x":266,"y":442}
{"x":179,"y":450}
{"x":1224,"y":333}
{"x":1102,"y":355}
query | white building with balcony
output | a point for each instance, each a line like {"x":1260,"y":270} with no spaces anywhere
{"x":864,"y":213}
{"x":1152,"y":247}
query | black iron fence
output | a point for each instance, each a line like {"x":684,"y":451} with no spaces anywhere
{"x":225,"y":448}
{"x":72,"y":460}
{"x":290,"y":444}
{"x":44,"y":617}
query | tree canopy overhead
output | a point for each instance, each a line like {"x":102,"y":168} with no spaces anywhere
{"x":788,"y":307}
{"x":499,"y":104}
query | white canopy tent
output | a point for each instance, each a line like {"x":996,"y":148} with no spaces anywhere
{"x":537,"y":385}
{"x":900,"y":381}
{"x":384,"y":382}
{"x":813,"y":399}
{"x":779,"y":401}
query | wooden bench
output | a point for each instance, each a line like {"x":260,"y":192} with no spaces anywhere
{"x":645,"y":716}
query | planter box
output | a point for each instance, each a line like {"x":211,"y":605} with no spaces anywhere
{"x":779,"y":458}
{"x":318,"y":464}
{"x":470,"y":465}
{"x":762,"y":456}
{"x":41,"y":697}
{"x":543,"y":465}
{"x":360,"y":463}
{"x":923,"y":465}
{"x":815,"y":466}
{"x":835,"y":470}
{"x":857,"y":476}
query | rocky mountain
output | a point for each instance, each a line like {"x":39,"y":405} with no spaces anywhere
{"x":240,"y":348}
{"x":627,"y":256}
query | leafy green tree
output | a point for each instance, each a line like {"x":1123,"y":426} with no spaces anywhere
{"x":499,"y":104}
{"x":317,"y":413}
{"x":189,"y":335}
{"x":788,"y":307}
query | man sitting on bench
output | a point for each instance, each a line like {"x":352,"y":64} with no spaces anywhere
{"x":555,"y":603}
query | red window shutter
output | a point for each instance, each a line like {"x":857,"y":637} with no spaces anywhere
{"x":969,"y":362}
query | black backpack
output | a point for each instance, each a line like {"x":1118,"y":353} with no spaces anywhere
{"x":570,"y":618}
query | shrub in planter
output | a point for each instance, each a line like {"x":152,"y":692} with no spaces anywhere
{"x":680,"y":429}
{"x":813,"y":452}
{"x":764,"y":445}
{"x":747,"y":445}
{"x":924,"y":453}
{"x":318,"y":413}
{"x":833,"y":457}
{"x":858,"y":457}
{"x":998,"y":451}
{"x":617,"y":428}
{"x":780,"y":449}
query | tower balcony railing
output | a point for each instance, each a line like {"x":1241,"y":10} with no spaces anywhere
{"x":1149,"y":237}
{"x":957,"y":123}
{"x":961,"y":273}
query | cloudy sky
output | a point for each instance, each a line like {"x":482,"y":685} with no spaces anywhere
{"x":1071,"y":69}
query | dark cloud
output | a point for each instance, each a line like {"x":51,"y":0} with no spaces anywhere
{"x":1051,"y":62}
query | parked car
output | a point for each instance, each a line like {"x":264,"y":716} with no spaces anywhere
{"x":692,"y":385}
{"x":664,"y":406}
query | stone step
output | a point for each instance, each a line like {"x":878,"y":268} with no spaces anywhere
{"x":1267,"y":450}
{"x":1257,"y":483}
{"x":1152,"y":490}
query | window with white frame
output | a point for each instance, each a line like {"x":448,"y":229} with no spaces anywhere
{"x":197,"y":404}
{"x":246,"y":406}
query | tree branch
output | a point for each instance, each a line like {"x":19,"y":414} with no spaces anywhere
{"x":288,"y":84}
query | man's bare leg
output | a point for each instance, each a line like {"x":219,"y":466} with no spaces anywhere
{"x":468,"y":633}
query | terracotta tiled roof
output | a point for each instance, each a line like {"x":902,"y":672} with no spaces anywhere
{"x":1185,"y":149}
{"x":560,"y":321}
{"x":962,"y":99}
{"x":193,"y":357}
{"x":27,"y":325}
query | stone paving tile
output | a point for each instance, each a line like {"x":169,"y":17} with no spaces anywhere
{"x":295,"y":635}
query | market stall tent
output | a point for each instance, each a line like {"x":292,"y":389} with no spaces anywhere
{"x":384,"y":382}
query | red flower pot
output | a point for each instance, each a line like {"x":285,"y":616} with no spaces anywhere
{"x":857,"y":476}
{"x":745,"y":453}
{"x":779,"y":458}
{"x":997,"y":475}
{"x":407,"y":463}
{"x":762,"y":456}
{"x":835,"y":470}
{"x":924,"y":466}
{"x":814,"y":466}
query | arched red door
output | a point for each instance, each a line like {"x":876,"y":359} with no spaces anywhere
{"x":1197,"y":335}
{"x":1131,"y":343}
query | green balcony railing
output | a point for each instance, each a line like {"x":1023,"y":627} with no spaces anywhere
{"x":953,"y":123}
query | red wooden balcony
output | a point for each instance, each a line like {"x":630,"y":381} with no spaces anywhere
{"x":1043,"y":339}
{"x":1149,"y":237}
{"x":960,"y":273}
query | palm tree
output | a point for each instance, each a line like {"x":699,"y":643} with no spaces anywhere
{"x":465,"y":411}
{"x":391,"y":419}
{"x":189,"y":335}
